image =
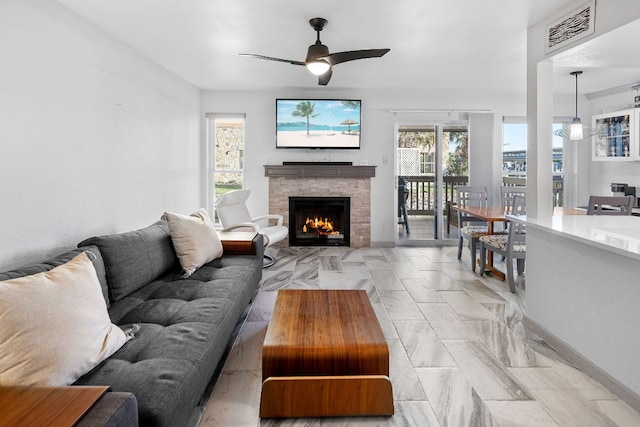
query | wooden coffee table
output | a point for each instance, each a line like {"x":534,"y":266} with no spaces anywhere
{"x":324,"y":354}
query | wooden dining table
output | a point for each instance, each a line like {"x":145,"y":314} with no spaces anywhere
{"x":493,"y":214}
{"x":490,"y":214}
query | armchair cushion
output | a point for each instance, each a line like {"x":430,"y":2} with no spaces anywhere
{"x":274,"y":234}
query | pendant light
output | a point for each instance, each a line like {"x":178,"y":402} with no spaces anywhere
{"x":576,"y":131}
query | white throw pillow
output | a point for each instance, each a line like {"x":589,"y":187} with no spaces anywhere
{"x":194,"y":239}
{"x":54,"y":326}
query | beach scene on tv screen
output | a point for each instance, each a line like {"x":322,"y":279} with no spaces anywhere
{"x":317,"y":123}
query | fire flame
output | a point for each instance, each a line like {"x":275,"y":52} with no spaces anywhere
{"x":319,"y":225}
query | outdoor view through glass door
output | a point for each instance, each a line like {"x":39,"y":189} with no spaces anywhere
{"x":225,"y":148}
{"x":432,"y":160}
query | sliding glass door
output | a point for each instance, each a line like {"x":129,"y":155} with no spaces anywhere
{"x":432,"y":160}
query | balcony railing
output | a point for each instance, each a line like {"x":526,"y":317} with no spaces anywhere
{"x":422,"y":192}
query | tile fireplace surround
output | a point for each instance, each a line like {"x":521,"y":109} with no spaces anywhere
{"x":325,"y":181}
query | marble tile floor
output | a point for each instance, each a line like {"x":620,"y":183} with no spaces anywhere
{"x":460,"y":354}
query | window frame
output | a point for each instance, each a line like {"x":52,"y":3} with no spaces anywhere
{"x":211,"y":169}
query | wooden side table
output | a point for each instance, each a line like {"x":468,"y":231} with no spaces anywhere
{"x":46,"y":406}
{"x":238,"y":242}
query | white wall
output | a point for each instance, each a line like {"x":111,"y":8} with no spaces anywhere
{"x":378,"y":143}
{"x":481,"y":133}
{"x":94,"y":138}
{"x":601,"y":174}
{"x":586,"y":297}
{"x":609,"y":15}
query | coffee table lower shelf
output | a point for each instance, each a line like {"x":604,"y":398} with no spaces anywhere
{"x":322,"y":396}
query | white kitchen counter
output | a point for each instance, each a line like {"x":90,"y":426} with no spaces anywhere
{"x":619,"y":234}
{"x":583,"y":293}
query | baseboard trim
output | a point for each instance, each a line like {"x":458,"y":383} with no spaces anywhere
{"x":382,"y":244}
{"x":427,"y":243}
{"x":610,"y":383}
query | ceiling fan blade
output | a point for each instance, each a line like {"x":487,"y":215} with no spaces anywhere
{"x":323,"y":79}
{"x":271,"y":58}
{"x":352,"y":55}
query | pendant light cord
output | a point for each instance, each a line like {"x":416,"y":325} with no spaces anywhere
{"x":576,"y":74}
{"x":576,"y":94}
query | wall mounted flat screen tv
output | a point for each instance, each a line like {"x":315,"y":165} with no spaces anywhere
{"x":318,"y":123}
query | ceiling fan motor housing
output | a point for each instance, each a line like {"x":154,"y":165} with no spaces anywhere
{"x":316,"y":50}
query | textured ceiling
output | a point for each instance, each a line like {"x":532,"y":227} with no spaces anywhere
{"x":608,"y":61}
{"x":446,"y":45}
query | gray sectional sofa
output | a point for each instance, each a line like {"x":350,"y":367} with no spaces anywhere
{"x":181,"y":327}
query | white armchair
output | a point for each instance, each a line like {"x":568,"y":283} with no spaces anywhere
{"x":234,"y":215}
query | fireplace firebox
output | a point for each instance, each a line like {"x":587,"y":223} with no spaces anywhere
{"x":319,"y":221}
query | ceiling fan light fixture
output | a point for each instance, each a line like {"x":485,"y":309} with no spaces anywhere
{"x":319,"y":60}
{"x":317,"y":67}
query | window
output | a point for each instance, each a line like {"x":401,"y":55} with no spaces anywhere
{"x":514,"y":147}
{"x":557,"y":145}
{"x":514,"y":156}
{"x":225,"y":155}
{"x":427,"y":163}
{"x":417,"y":154}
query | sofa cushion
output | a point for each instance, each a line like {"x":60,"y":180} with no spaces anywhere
{"x":194,"y":239}
{"x":135,"y":258}
{"x":185,"y":325}
{"x":55,"y":326}
{"x":169,"y":299}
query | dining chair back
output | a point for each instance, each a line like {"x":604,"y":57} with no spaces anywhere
{"x":610,"y":205}
{"x":512,"y":245}
{"x":470,"y":227}
{"x":470,"y":195}
{"x":403,"y":196}
{"x":508,"y":192}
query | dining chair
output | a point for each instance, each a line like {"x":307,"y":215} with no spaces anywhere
{"x":470,"y":227}
{"x":512,"y":245}
{"x":403,"y":195}
{"x":506,"y":197}
{"x":610,"y":205}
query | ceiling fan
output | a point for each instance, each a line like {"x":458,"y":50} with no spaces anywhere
{"x":319,"y":61}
